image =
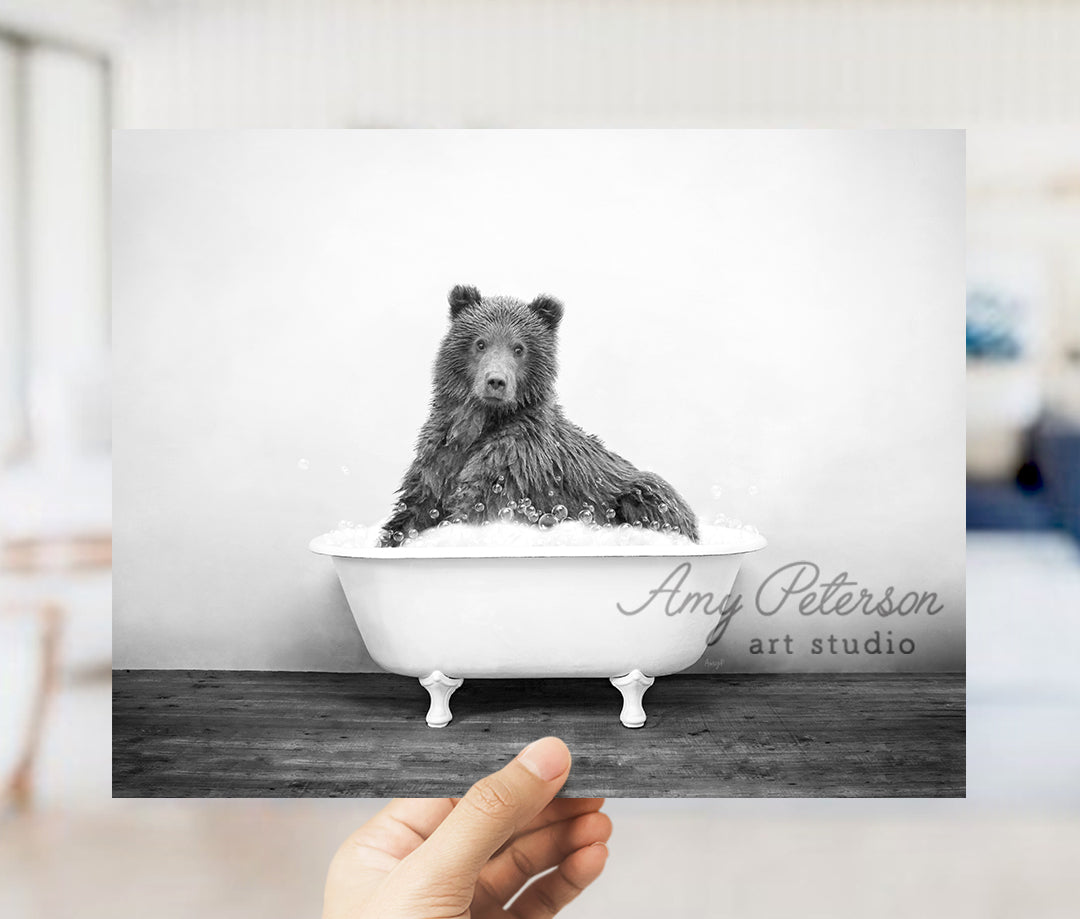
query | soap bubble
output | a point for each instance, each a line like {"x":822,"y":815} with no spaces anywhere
{"x":551,"y":492}
{"x":637,"y":524}
{"x":500,"y":479}
{"x":303,"y":465}
{"x":547,"y":522}
{"x":662,"y":508}
{"x":512,"y":505}
{"x":433,"y":514}
{"x":586,"y":516}
{"x":610,"y":513}
{"x":506,"y":515}
{"x":571,"y":532}
{"x":654,"y":525}
{"x":560,"y":512}
{"x":478,"y":507}
{"x":557,"y":479}
{"x":344,"y":470}
{"x":400,"y":507}
{"x":497,"y":488}
{"x":533,"y":514}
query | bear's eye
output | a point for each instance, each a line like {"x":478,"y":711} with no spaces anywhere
{"x":519,"y":350}
{"x":480,"y":344}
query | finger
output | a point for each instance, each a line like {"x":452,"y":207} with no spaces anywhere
{"x":495,"y":808}
{"x":558,"y":810}
{"x":421,"y":815}
{"x":535,"y":852}
{"x":401,"y":826}
{"x":545,"y":896}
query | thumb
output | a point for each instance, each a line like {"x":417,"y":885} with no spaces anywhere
{"x":492,"y":811}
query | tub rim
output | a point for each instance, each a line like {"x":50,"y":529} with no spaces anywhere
{"x":754,"y":543}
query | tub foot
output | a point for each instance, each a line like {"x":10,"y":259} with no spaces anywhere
{"x":632,"y":686}
{"x":440,"y":687}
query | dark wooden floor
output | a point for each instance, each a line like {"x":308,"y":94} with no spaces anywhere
{"x":246,"y":734}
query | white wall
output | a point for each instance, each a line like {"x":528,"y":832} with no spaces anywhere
{"x":776,"y":313}
{"x":54,"y":124}
{"x":631,"y":63}
{"x":11,"y":416}
{"x":67,"y":266}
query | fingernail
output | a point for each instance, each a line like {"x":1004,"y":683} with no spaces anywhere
{"x":546,"y":758}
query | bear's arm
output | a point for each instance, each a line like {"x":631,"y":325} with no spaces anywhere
{"x":412,"y":514}
{"x":646,"y":497}
{"x":636,"y":496}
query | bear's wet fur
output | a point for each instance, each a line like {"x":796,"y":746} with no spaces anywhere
{"x":496,"y":437}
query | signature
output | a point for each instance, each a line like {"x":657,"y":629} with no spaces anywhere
{"x":798,"y":582}
{"x":690,"y":601}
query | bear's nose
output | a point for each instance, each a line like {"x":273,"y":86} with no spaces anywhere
{"x":496,"y":384}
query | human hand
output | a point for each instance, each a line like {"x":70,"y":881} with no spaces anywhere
{"x":437,"y":858}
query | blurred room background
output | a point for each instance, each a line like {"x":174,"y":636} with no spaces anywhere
{"x":1023,"y":455}
{"x":71,"y":70}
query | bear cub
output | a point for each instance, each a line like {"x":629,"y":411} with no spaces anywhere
{"x":497,"y":446}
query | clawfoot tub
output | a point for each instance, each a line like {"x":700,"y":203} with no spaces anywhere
{"x":627,"y":613}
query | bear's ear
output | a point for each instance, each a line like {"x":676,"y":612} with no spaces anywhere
{"x":549,"y":309}
{"x":462,"y":297}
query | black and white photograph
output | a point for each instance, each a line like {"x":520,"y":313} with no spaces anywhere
{"x":426,"y":439}
{"x":518,"y":459}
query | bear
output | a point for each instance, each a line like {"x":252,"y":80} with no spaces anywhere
{"x":497,"y":446}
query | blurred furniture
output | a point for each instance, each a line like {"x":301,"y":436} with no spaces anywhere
{"x":1046,"y":493}
{"x":1067,"y":397}
{"x":1003,"y":403}
{"x":32,"y":562}
{"x":1057,"y":451}
{"x":1007,"y":506}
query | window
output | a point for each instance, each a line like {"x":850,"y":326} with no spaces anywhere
{"x":54,"y":317}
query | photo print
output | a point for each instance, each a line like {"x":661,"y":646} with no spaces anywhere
{"x":425,"y":441}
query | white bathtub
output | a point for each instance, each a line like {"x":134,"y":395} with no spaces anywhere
{"x":448,"y":614}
